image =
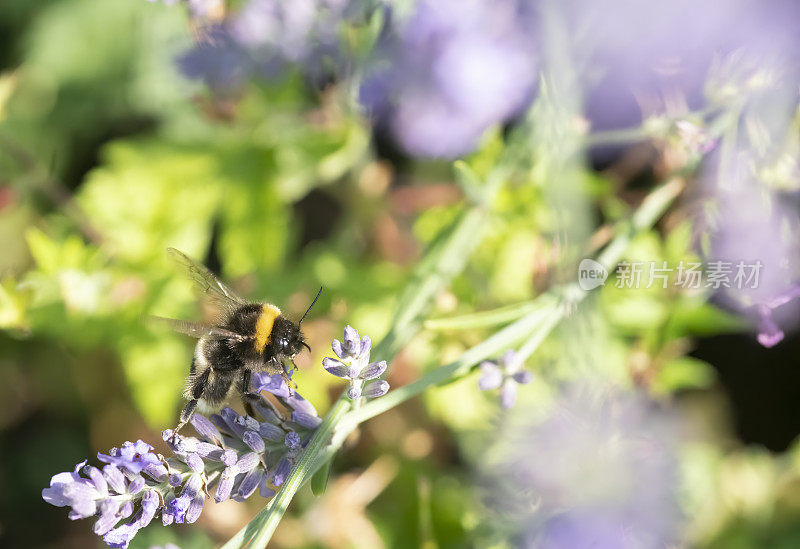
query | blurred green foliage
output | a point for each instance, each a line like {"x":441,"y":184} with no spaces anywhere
{"x":108,"y":156}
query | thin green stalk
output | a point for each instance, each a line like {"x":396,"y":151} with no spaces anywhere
{"x":559,"y":301}
{"x":483,"y":319}
{"x":258,"y":531}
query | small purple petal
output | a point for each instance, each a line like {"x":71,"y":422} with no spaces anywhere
{"x":253,"y":441}
{"x":373,"y":370}
{"x":265,"y":490}
{"x":175,"y":479}
{"x":366,"y":347}
{"x":272,"y":433}
{"x":109,"y":516}
{"x":150,"y":502}
{"x":336,"y":368}
{"x":115,"y":478}
{"x":98,"y":479}
{"x":376,"y":389}
{"x":491,"y":376}
{"x":508,"y":394}
{"x":299,"y":404}
{"x":167,"y":517}
{"x":523,"y":377}
{"x":136,"y":485}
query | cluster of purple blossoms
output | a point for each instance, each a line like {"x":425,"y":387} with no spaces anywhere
{"x":452,"y":70}
{"x":265,"y":37}
{"x":505,"y":375}
{"x":234,"y":455}
{"x":352,"y":363}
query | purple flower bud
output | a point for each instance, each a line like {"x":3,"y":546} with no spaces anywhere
{"x":336,"y":345}
{"x":176,"y":508}
{"x":336,"y":368}
{"x":195,"y":508}
{"x":251,"y":481}
{"x":247,"y":462}
{"x":292,"y":440}
{"x":205,"y":428}
{"x":195,"y":462}
{"x":281,"y":472}
{"x":150,"y":502}
{"x":175,"y":479}
{"x":192,"y":486}
{"x":157,"y":472}
{"x":229,"y":457}
{"x":136,"y":485}
{"x":352,"y":342}
{"x":523,"y":378}
{"x":253,"y":441}
{"x":354,"y":392}
{"x":273,"y":433}
{"x":373,"y":370}
{"x":376,"y":389}
{"x":225,"y":485}
{"x":306,"y":420}
{"x":232,"y":420}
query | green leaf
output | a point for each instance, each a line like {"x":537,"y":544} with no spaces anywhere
{"x":319,"y":482}
{"x":684,"y":373}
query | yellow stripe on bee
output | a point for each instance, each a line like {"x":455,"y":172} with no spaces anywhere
{"x":264,"y":325}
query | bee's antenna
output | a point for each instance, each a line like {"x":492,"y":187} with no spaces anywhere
{"x":309,"y":307}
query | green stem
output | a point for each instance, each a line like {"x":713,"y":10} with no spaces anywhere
{"x":553,"y":306}
{"x":257,"y":533}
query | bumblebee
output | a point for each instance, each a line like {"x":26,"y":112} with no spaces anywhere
{"x":244,"y":338}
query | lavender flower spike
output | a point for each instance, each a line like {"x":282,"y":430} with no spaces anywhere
{"x":237,"y":453}
{"x":505,"y":375}
{"x":352,"y":363}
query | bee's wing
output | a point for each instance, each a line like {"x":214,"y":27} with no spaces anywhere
{"x":207,"y":284}
{"x":197,"y":330}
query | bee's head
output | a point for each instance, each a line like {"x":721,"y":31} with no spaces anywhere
{"x":287,"y":339}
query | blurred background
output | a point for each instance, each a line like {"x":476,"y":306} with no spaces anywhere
{"x":303,"y":144}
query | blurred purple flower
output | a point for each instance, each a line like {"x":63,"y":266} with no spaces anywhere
{"x":758,"y":228}
{"x":599,"y":470}
{"x":265,"y":37}
{"x":352,"y":363}
{"x":450,"y":72}
{"x":644,"y":54}
{"x":505,"y":375}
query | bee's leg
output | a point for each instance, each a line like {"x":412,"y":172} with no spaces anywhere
{"x":199,"y":385}
{"x":288,"y":380}
{"x":248,"y":396}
